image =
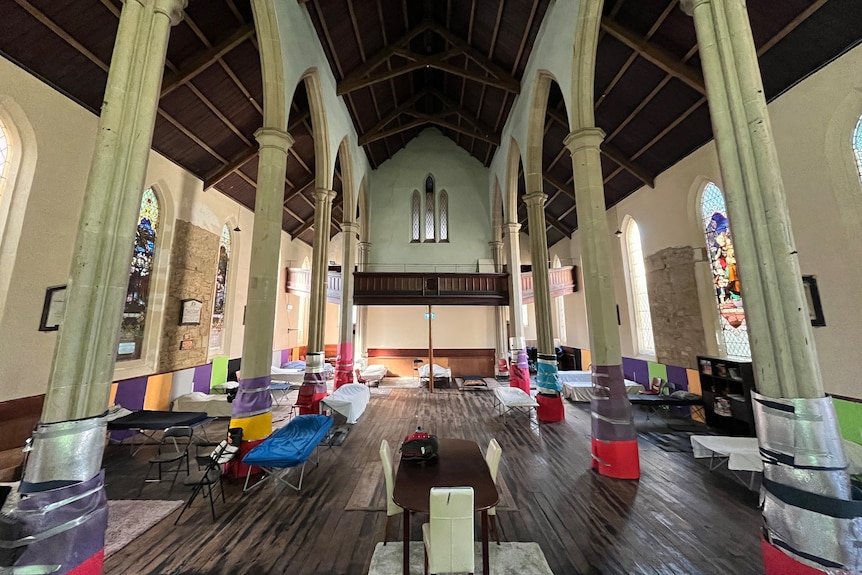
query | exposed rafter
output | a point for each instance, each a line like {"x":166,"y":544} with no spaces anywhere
{"x":385,"y":121}
{"x":205,"y":59}
{"x":658,"y":56}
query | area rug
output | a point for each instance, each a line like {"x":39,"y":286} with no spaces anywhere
{"x":128,"y":519}
{"x":508,"y":558}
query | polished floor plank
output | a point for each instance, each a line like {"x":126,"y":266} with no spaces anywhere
{"x":678,"y":519}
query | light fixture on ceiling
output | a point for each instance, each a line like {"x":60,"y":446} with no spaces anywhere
{"x":236,"y":227}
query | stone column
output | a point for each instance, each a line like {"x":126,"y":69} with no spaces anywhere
{"x":344,"y":363}
{"x":314,"y":385}
{"x":362,"y":314}
{"x":500,"y":353}
{"x":614,"y":437}
{"x":252,"y":408}
{"x":519,"y":371}
{"x":68,"y":443}
{"x":805,"y":475}
{"x":549,"y":398}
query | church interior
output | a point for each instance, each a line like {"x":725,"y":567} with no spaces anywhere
{"x":240,"y":207}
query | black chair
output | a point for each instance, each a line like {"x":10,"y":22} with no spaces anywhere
{"x":211,"y":473}
{"x":173,"y":448}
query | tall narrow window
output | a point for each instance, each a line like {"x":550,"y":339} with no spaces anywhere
{"x":561,"y":309}
{"x":415,"y":217}
{"x":640,"y":296}
{"x":220,"y":295}
{"x":444,"y":216}
{"x":728,"y":290}
{"x":5,"y":157}
{"x":857,"y":146}
{"x":138,"y":293}
{"x":430,"y":235}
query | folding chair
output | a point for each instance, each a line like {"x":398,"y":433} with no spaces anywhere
{"x":173,"y":448}
{"x":212,"y":473}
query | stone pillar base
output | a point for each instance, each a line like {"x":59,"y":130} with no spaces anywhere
{"x":618,"y":459}
{"x":550,"y":408}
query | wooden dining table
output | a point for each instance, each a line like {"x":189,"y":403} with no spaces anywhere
{"x":459,"y":463}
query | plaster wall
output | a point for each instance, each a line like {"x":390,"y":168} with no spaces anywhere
{"x":454,"y":327}
{"x":391,"y":191}
{"x":824,"y":196}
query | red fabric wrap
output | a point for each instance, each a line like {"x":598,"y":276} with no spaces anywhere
{"x":617,"y":459}
{"x":776,"y":562}
{"x":235,"y":467}
{"x":550,"y":408}
{"x":91,"y":566}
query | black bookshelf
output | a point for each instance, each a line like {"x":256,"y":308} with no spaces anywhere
{"x":726,"y":385}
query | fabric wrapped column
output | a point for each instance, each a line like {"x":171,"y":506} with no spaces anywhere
{"x":313,"y":387}
{"x":519,"y":372}
{"x":501,"y":363}
{"x":344,"y":361}
{"x":811,"y":520}
{"x":614,"y":437}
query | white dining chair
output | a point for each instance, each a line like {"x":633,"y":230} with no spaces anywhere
{"x":492,"y":457}
{"x":391,"y":507}
{"x":448,"y":537}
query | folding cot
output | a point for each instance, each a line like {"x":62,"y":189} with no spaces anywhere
{"x":287,"y":447}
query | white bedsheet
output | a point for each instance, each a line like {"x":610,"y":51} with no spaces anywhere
{"x":349,"y":400}
{"x":582,"y":390}
{"x":213,"y":405}
{"x":288,"y":375}
{"x":439,"y":371}
{"x":373,"y":373}
{"x":743,"y":453}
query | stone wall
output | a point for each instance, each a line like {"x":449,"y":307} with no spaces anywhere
{"x":194,"y":257}
{"x":674,"y":306}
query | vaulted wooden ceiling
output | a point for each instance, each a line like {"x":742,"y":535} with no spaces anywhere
{"x":402,"y":65}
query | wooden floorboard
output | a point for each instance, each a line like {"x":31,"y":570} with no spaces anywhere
{"x":678,"y":519}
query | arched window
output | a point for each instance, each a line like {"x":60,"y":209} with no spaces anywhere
{"x":857,"y":146}
{"x":561,"y":308}
{"x":5,"y":157}
{"x":728,"y":290}
{"x":138,"y":293}
{"x":220,"y":295}
{"x":303,"y":307}
{"x":430,"y":230}
{"x":415,"y":217}
{"x":444,"y":216}
{"x":640,"y":295}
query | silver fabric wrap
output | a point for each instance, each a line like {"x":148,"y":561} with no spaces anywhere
{"x":805,"y":432}
{"x":314,"y":362}
{"x":801,"y":449}
{"x":69,"y":450}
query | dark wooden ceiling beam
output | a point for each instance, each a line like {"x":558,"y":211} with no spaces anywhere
{"x":615,"y":154}
{"x":206,"y":59}
{"x":299,"y":189}
{"x":560,"y":185}
{"x":392,"y":131}
{"x":439,"y":120}
{"x":474,"y":121}
{"x":559,"y":225}
{"x":656,"y":55}
{"x":385,"y":121}
{"x":501,"y":75}
{"x":65,"y":36}
{"x":229,"y":168}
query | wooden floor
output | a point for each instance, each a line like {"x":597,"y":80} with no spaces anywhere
{"x":679,"y":518}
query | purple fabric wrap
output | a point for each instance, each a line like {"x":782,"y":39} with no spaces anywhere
{"x":248,"y":403}
{"x":610,"y":407}
{"x":73,"y":546}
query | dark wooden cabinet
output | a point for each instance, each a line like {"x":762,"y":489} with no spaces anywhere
{"x":726,"y":386}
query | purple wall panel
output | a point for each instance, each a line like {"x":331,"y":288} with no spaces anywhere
{"x":131,"y":392}
{"x":678,"y":377}
{"x":285,"y":356}
{"x":203,"y":375}
{"x":636,"y":370}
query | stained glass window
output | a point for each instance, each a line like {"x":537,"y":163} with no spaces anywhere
{"x":429,"y":209}
{"x":220,"y":296}
{"x":140,"y":274}
{"x":857,"y":146}
{"x":640,"y":296}
{"x":444,"y":216}
{"x":415,"y":217}
{"x":728,"y":290}
{"x":5,"y":156}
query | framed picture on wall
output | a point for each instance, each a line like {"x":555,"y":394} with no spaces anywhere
{"x":812,"y":298}
{"x":190,"y":312}
{"x":53,"y":308}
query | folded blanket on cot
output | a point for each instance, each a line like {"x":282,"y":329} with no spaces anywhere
{"x":291,"y":445}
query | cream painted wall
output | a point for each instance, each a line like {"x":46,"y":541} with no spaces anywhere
{"x":812,"y":124}
{"x":390,"y":194}
{"x":455,"y":327}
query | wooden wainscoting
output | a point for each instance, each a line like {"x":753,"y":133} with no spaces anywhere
{"x":399,"y":361}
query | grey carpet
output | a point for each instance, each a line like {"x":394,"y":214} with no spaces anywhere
{"x":508,"y":558}
{"x":127,"y":519}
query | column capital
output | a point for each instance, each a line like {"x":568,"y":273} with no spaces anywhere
{"x":364,"y":245}
{"x":536,"y":199}
{"x":688,"y":6}
{"x":511,"y":228}
{"x":350,"y":227}
{"x":496,"y":244}
{"x":273,"y":138}
{"x":173,"y":9}
{"x":323,"y":195}
{"x":584,"y":138}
